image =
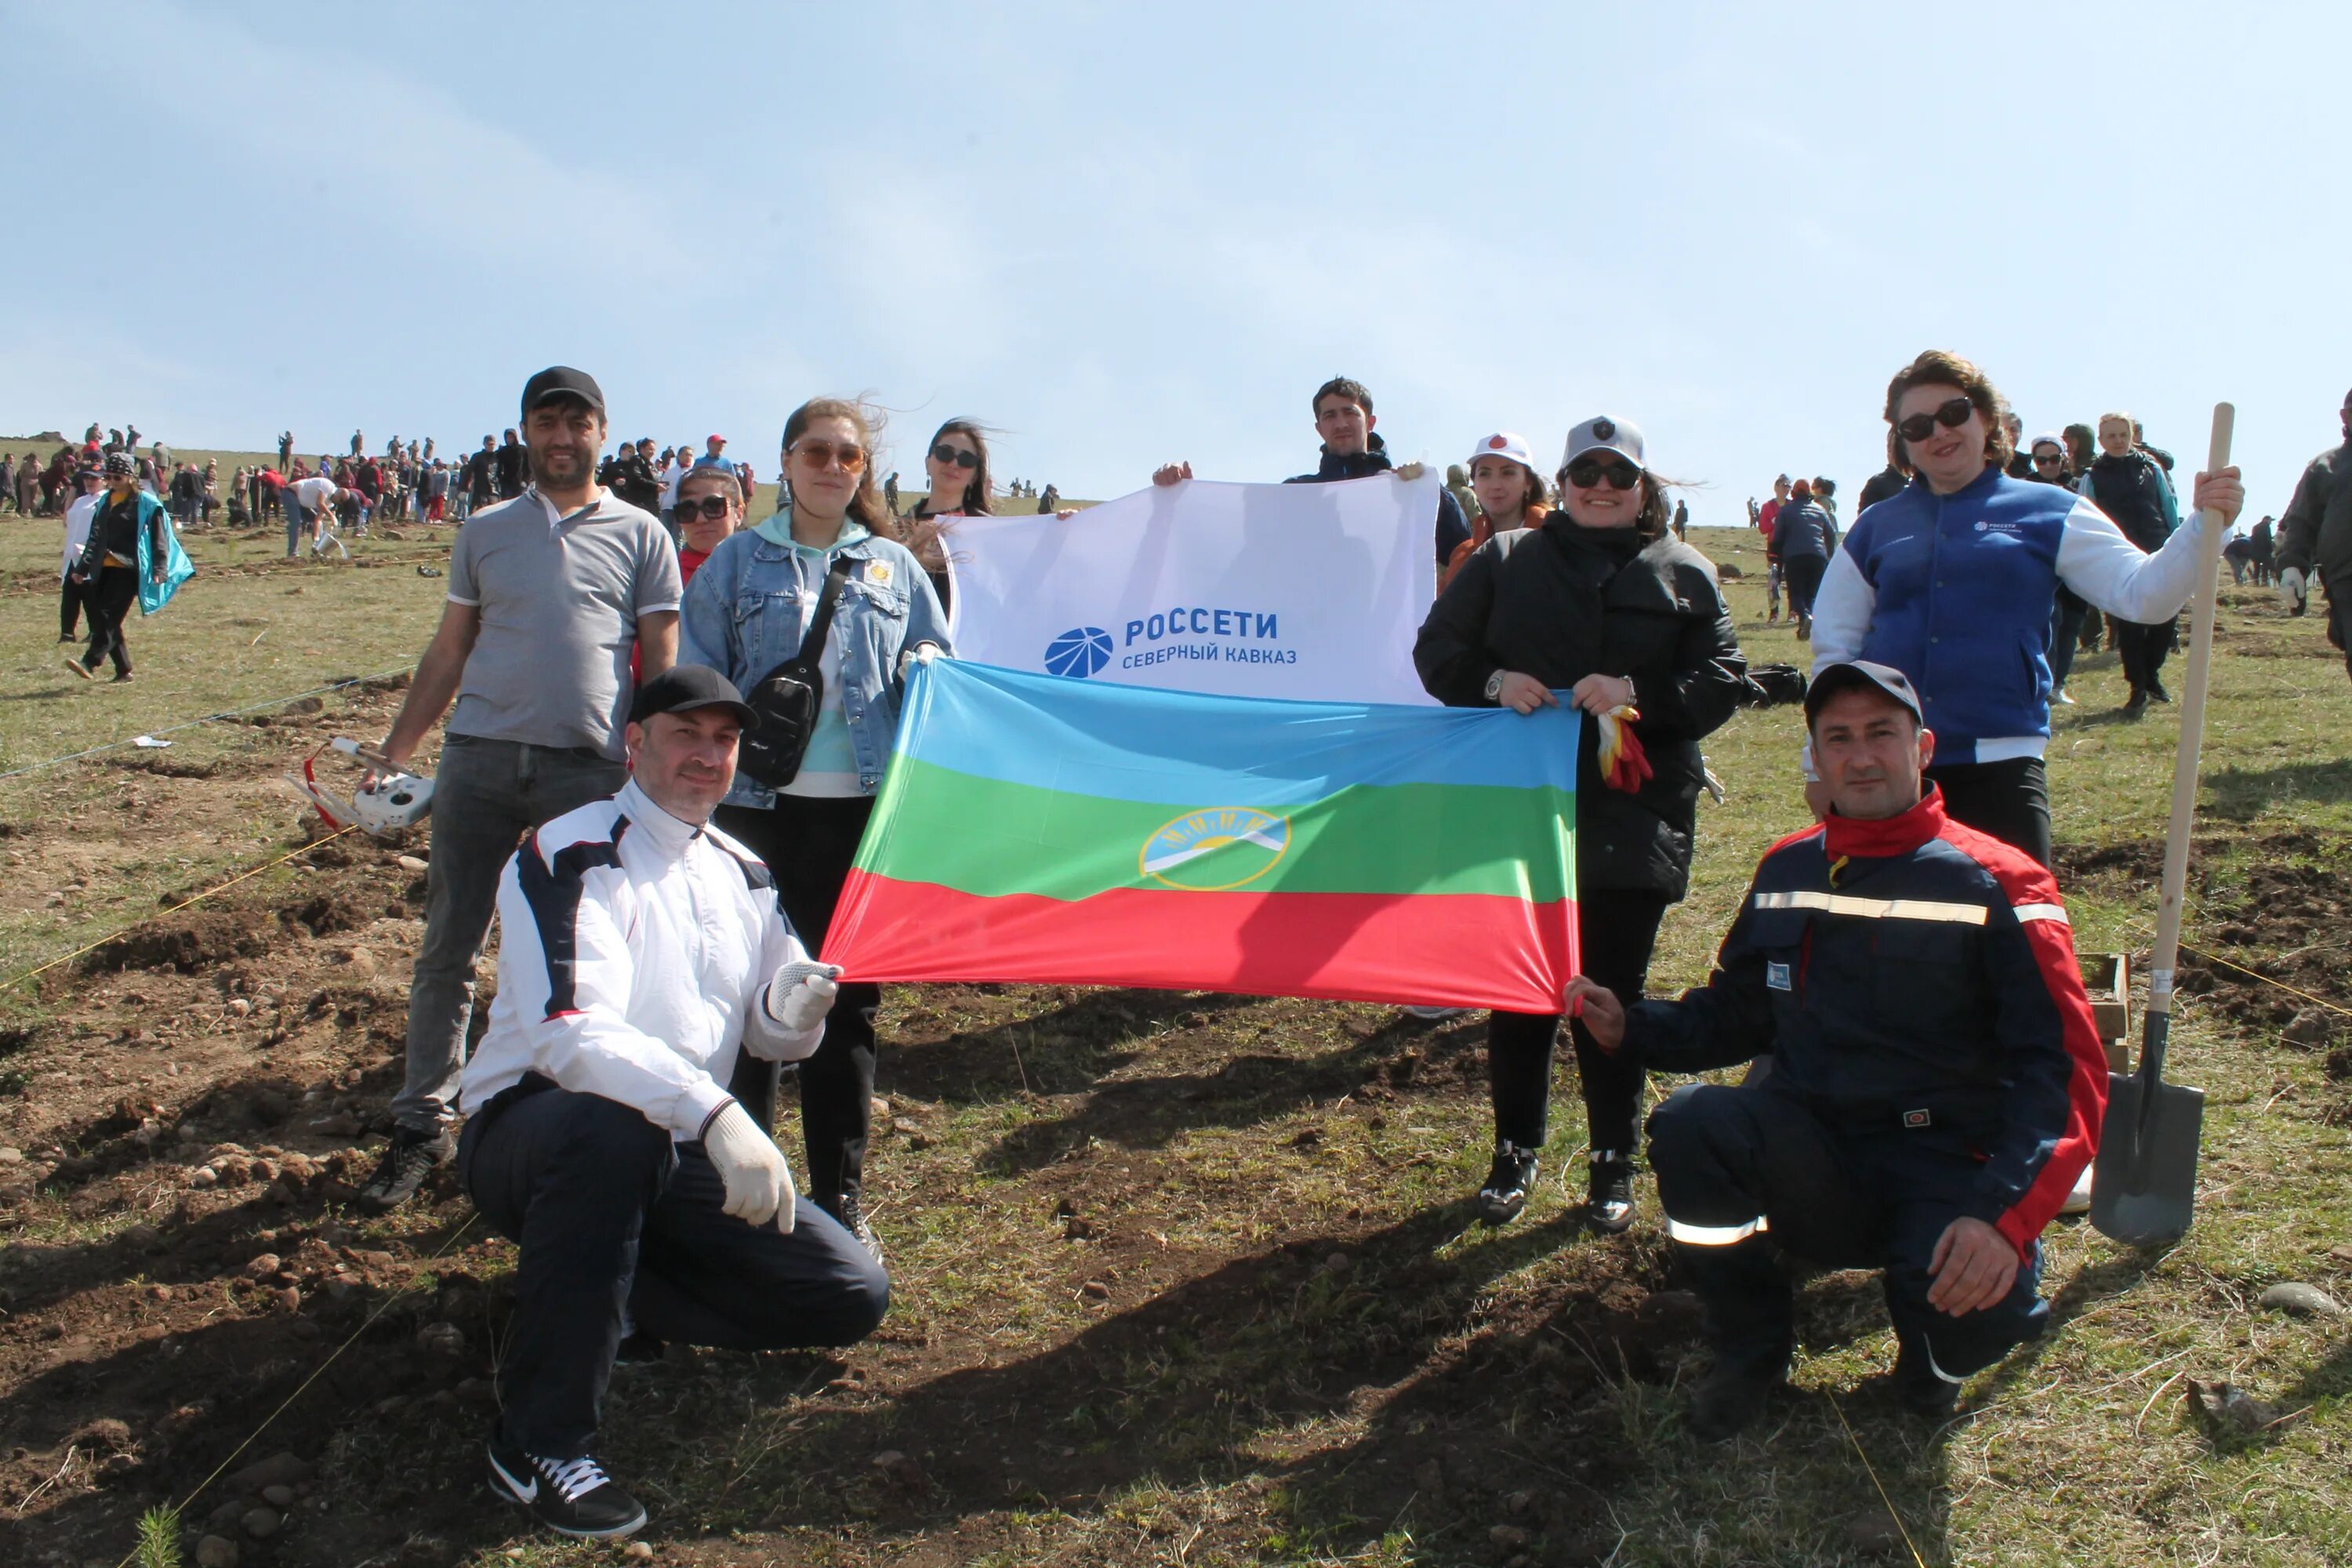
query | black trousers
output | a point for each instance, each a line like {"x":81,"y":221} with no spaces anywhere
{"x":1803,"y":575}
{"x":2066,"y":617}
{"x":1616,"y":932}
{"x":108,"y":600}
{"x":611,"y":1214}
{"x":2010,"y":800}
{"x":69,"y":608}
{"x":1844,"y":1195}
{"x":2142,"y":650}
{"x":807,"y":844}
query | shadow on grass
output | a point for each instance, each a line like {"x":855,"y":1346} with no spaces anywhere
{"x":2245,"y":793}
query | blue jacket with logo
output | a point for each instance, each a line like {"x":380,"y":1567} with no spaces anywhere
{"x":748,"y":608}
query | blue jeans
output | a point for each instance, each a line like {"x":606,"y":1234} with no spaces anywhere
{"x":298,"y":525}
{"x":610,"y":1215}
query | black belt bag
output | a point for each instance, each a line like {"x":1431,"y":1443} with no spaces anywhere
{"x":789,"y":697}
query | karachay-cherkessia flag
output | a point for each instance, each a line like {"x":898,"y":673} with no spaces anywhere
{"x":1057,"y":831}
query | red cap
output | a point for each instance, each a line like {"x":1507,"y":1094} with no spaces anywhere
{"x":720,"y":440}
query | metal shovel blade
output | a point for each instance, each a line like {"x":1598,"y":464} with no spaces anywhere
{"x":2144,"y":1185}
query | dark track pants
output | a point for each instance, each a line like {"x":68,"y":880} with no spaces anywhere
{"x":2010,"y":800}
{"x":808,"y":843}
{"x":2067,"y":614}
{"x":69,"y":608}
{"x":610,"y":1214}
{"x":1743,"y":1172}
{"x":2142,"y":650}
{"x":1616,"y":932}
{"x":109,"y":599}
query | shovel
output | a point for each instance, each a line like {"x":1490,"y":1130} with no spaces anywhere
{"x":2144,"y":1185}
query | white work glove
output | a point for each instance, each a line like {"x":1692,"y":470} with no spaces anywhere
{"x":2290,"y":587}
{"x":922,"y":653}
{"x":759,"y":1182}
{"x":801,"y":994}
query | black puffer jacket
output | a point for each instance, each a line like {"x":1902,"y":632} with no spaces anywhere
{"x":1561,"y":603}
{"x":1453,"y":527}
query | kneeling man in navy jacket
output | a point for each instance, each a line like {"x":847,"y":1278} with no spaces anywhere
{"x":1936,"y":1085}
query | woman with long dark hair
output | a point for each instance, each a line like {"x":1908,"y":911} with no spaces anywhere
{"x":748,"y":611}
{"x":1601,"y":607}
{"x":957,"y":465}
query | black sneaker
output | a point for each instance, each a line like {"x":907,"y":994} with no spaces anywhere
{"x":1609,"y":1203}
{"x":2135,"y":704}
{"x":1504,"y":1192}
{"x":1729,"y":1401}
{"x":571,"y":1496}
{"x":1915,"y":1385}
{"x":2157,"y":693}
{"x":847,"y":1209}
{"x":409,"y":1159}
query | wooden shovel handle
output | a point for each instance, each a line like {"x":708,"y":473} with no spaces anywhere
{"x":2192,"y":731}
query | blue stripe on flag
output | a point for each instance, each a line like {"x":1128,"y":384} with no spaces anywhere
{"x":1132,"y":743}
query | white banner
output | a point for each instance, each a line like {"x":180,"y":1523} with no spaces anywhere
{"x":1311,"y":592}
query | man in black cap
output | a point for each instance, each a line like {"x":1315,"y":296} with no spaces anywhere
{"x":643,"y":953}
{"x":549,"y":593}
{"x":1936,"y":1084}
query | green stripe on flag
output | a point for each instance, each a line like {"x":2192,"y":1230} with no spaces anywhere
{"x":991,"y":837}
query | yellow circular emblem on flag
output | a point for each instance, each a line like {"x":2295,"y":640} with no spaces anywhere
{"x":1216,"y":848}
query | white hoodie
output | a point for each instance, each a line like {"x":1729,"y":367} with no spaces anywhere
{"x":634,"y":952}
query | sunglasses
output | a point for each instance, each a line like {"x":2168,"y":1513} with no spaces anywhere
{"x":943,"y":453}
{"x":710,"y":508}
{"x":1586,"y":472}
{"x":1951,"y":416}
{"x":822,"y":454}
{"x":2047,"y":459}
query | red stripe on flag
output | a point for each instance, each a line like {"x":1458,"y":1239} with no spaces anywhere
{"x":1468,"y":950}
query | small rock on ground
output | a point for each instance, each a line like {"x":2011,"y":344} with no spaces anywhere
{"x":216,"y":1551}
{"x":2301,"y":1300}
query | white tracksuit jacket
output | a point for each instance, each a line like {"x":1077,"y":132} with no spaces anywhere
{"x":634,"y":952}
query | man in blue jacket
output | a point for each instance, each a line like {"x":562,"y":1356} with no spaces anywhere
{"x":1936,"y":1084}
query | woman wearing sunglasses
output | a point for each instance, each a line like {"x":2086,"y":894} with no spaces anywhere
{"x":957,"y":464}
{"x":1602,"y":606}
{"x":748,"y":611}
{"x":1954,"y":581}
{"x":1509,"y":492}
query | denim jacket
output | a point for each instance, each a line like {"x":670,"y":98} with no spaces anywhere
{"x":748,"y":607}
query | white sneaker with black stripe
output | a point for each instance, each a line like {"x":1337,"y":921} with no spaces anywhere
{"x":571,"y":1496}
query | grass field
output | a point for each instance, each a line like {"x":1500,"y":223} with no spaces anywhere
{"x":1178,"y":1279}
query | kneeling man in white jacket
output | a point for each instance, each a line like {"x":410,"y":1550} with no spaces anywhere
{"x":640,"y":950}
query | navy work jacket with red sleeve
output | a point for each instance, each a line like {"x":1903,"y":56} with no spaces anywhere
{"x":1912,"y":972}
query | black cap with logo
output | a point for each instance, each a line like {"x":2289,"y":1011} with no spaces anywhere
{"x":561,"y":381}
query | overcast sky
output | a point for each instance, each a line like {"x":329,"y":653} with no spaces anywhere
{"x":1123,"y":234}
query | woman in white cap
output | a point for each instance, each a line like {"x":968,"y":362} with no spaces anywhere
{"x":1603,"y":604}
{"x":1509,"y":492}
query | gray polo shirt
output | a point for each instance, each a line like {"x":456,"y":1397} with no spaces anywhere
{"x":559,"y":599}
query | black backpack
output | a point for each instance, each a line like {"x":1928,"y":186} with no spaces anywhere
{"x":1770,"y":685}
{"x":789,"y":697}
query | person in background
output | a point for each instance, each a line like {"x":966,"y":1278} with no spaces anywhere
{"x":1954,"y":582}
{"x":1887,"y":481}
{"x":2047,"y":461}
{"x":129,"y":524}
{"x":1682,"y":519}
{"x":240,"y":512}
{"x":1803,"y":538}
{"x":2019,"y":465}
{"x":1767,"y":517}
{"x":1457,"y":485}
{"x":71,"y":598}
{"x":714,"y":454}
{"x":512,"y":464}
{"x":1603,"y":604}
{"x":1051,"y":500}
{"x":1506,"y":492}
{"x":1825,"y":496}
{"x":1937,"y":1081}
{"x":748,"y":612}
{"x":2082,"y":447}
{"x":547,"y":596}
{"x":956,"y":465}
{"x":2315,"y":538}
{"x":310,"y":503}
{"x":2127,"y":484}
{"x":1351,"y":450}
{"x":673,"y":469}
{"x":28,"y":485}
{"x":2266,"y":552}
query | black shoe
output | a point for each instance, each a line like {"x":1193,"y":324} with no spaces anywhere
{"x":2135,"y":704}
{"x":1609,"y":1203}
{"x":1916,"y":1385}
{"x":2157,"y":693}
{"x":638,"y":1348}
{"x":846,"y":1208}
{"x":1729,"y":1401}
{"x":1504,"y":1192}
{"x":409,"y":1159}
{"x":571,"y":1496}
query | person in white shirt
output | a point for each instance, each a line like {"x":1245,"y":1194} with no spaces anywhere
{"x":642,"y":950}
{"x":309,"y":503}
{"x":678,"y":468}
{"x":77,"y":515}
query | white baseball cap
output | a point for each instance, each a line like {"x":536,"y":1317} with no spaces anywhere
{"x":1604,"y":434}
{"x":1504,"y":444}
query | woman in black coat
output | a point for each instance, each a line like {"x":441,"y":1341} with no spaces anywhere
{"x":1603,"y":603}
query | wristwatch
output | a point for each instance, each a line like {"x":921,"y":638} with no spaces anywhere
{"x":1494,"y":686}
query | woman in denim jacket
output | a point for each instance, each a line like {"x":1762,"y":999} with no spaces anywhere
{"x":745,"y":612}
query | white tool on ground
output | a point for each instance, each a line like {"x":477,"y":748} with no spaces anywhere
{"x":394,"y":800}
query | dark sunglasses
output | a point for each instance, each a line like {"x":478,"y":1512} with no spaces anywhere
{"x":822,"y":453}
{"x":943,"y":453}
{"x":710,"y":508}
{"x":1951,"y":416}
{"x":1586,"y":472}
{"x":2047,"y":461}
